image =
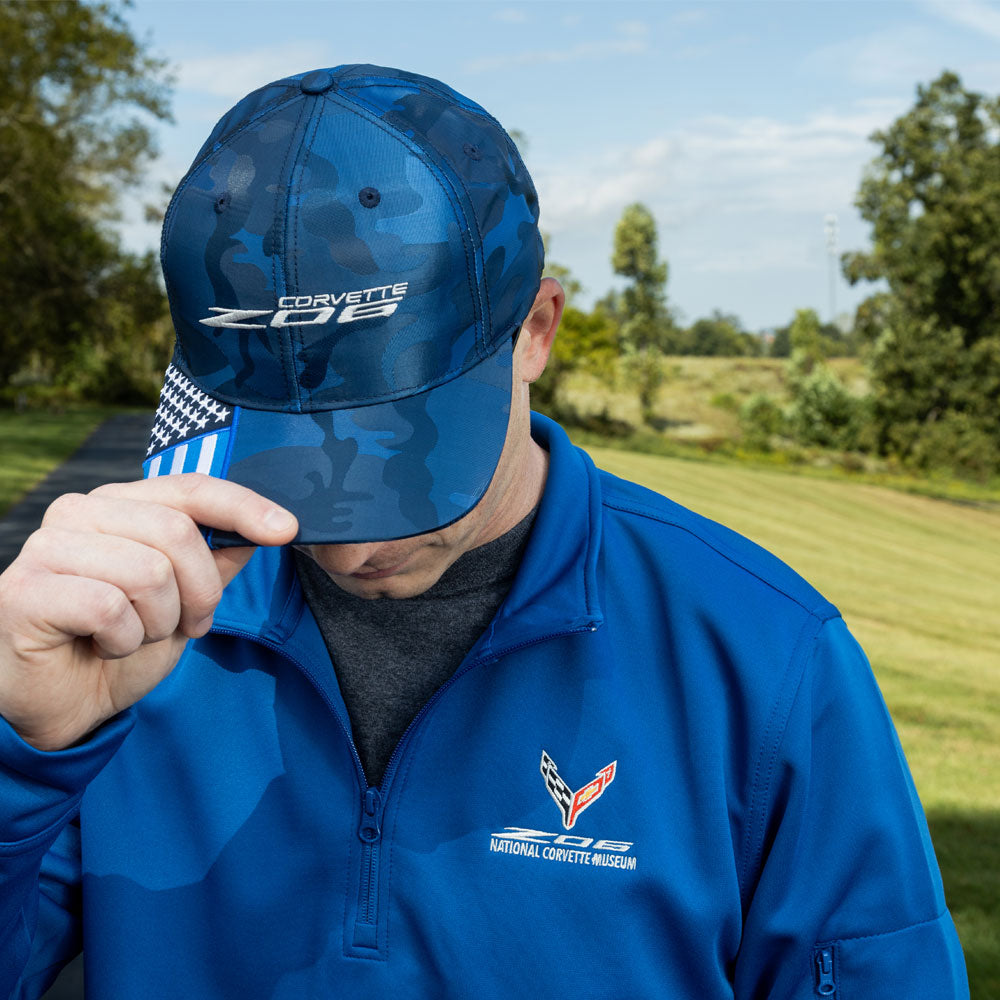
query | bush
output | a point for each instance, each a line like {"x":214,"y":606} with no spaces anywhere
{"x":725,"y":401}
{"x":823,"y":412}
{"x":760,"y":419}
{"x":955,"y":443}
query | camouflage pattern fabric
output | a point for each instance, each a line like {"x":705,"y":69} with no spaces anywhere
{"x":347,"y":261}
{"x":367,"y":474}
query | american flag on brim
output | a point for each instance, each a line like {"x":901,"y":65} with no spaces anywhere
{"x":190,"y":432}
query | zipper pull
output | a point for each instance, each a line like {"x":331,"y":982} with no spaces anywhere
{"x":371,"y":817}
{"x":826,"y":985}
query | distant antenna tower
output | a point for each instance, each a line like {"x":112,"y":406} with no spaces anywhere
{"x":831,"y":228}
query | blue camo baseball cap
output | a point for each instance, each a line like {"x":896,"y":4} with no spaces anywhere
{"x":348,"y":261}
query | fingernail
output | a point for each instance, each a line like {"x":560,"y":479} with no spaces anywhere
{"x":202,"y":627}
{"x":277,"y":519}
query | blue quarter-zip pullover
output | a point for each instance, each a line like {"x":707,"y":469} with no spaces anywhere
{"x":664,"y":770}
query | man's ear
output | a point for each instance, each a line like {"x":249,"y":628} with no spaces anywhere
{"x":539,"y":329}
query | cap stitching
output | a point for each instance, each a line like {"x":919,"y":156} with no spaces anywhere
{"x":168,"y":220}
{"x":186,"y":180}
{"x":437,"y":173}
{"x":296,"y":340}
{"x":440,"y":176}
{"x":425,"y":83}
{"x":481,"y":291}
{"x":447,"y":94}
{"x":260,"y":112}
{"x":281,"y":213}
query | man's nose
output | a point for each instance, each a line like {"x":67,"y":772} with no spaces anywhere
{"x":343,"y":560}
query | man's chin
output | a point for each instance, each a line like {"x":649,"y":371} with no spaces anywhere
{"x":395,"y":587}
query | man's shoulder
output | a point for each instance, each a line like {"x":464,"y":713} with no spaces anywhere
{"x":710,"y":558}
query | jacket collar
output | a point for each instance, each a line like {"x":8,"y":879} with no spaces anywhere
{"x":555,"y":590}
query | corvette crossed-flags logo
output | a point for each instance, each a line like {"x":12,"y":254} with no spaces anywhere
{"x":567,"y":848}
{"x":571,"y":803}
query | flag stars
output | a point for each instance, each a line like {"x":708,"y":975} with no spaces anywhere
{"x":183,"y":411}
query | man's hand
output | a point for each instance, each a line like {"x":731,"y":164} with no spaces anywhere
{"x":97,"y":608}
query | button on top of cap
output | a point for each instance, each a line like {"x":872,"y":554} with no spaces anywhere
{"x":316,"y":82}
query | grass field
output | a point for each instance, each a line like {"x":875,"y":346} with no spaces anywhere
{"x":697,"y":416}
{"x":918,"y":582}
{"x":32,"y":443}
{"x":701,"y":397}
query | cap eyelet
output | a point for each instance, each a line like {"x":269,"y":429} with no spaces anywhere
{"x":472,"y":152}
{"x":222,"y":202}
{"x":369,"y":197}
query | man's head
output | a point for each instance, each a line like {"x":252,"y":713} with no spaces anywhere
{"x":348,"y":262}
{"x":409,"y":566}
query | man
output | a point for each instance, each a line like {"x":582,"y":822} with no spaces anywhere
{"x":494,"y":723}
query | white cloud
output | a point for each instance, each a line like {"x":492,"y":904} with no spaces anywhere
{"x":573,"y":53}
{"x":981,"y":17}
{"x":723,"y":165}
{"x":235,"y":74}
{"x":737,"y":200}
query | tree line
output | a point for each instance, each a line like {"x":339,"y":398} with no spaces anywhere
{"x":87,"y":320}
{"x":638,"y":327}
{"x":930,"y":340}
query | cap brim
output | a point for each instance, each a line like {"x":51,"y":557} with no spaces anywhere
{"x":367,"y":473}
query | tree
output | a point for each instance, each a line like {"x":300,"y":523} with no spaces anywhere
{"x":781,"y":343}
{"x":586,"y":342}
{"x":932,"y":197}
{"x":78,"y":94}
{"x":825,"y":340}
{"x":809,"y":347}
{"x":721,"y":335}
{"x":647,"y":322}
{"x":822,"y":412}
{"x":646,"y":328}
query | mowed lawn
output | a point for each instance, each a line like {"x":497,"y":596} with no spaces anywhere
{"x":918,"y":582}
{"x":32,"y":443}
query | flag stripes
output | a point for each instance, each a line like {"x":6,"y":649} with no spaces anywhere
{"x":204,"y":454}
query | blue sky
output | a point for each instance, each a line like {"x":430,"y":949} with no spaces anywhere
{"x":741,"y":124}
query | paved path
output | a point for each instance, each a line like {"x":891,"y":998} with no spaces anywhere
{"x":113,"y":453}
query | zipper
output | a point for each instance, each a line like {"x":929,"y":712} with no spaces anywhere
{"x":370,"y":834}
{"x":370,"y":825}
{"x":373,"y":799}
{"x":826,"y":984}
{"x":370,"y":828}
